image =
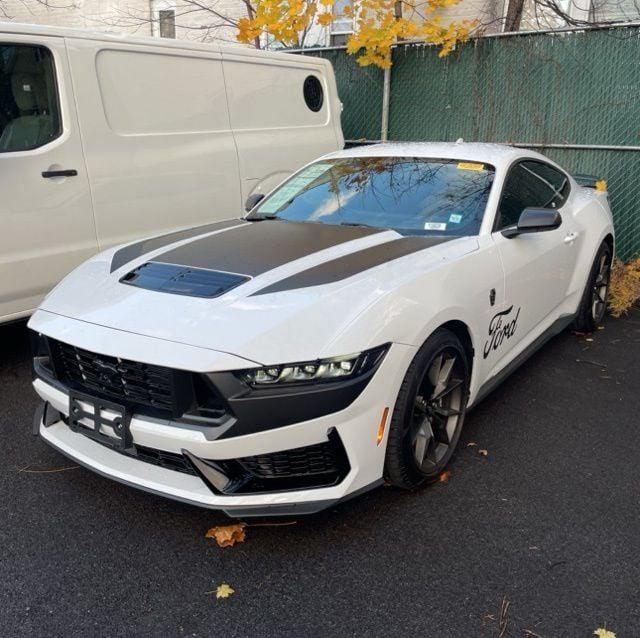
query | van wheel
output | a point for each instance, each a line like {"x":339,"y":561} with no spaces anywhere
{"x":429,"y":412}
{"x":594,"y":299}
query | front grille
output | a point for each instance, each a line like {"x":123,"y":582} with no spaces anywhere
{"x":312,"y":466}
{"x":168,"y":460}
{"x":304,"y":461}
{"x":130,"y":382}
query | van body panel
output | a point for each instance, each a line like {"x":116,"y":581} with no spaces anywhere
{"x":275,"y":131}
{"x":161,"y":135}
{"x":156,"y":133}
{"x":46,"y":224}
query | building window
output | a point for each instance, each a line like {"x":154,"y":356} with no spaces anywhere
{"x":167,"y":22}
{"x":342,"y":27}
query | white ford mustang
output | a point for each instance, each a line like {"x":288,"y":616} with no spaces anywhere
{"x":278,"y":363}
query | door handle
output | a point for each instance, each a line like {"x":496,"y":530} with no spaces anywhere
{"x":69,"y":172}
{"x":570,"y":238}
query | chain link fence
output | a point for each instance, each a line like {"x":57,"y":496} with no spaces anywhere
{"x":573,"y":95}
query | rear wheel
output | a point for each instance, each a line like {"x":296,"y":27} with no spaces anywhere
{"x":594,"y":300}
{"x":429,"y":412}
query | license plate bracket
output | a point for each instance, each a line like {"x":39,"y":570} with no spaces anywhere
{"x":97,"y":421}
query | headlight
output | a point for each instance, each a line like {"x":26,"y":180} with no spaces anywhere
{"x":319,"y":371}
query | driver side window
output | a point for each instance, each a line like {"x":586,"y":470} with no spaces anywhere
{"x":29,"y":115}
{"x":530,"y":183}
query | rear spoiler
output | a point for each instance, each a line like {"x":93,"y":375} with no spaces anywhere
{"x":589,"y":181}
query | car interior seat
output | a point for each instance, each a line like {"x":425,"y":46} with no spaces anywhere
{"x":34,"y":125}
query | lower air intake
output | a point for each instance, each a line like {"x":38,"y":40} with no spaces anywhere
{"x":319,"y":465}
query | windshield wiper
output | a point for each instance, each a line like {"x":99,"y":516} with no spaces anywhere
{"x":261,"y":218}
{"x":360,"y":224}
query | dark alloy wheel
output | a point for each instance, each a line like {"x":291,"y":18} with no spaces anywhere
{"x":600,"y":287}
{"x":594,"y":300}
{"x":429,"y":412}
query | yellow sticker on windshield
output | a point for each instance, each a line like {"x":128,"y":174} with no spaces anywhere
{"x":470,"y":166}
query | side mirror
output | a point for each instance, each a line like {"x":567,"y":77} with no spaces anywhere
{"x":534,"y":220}
{"x":253,"y":201}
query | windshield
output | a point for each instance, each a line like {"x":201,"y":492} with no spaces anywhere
{"x":414,"y":196}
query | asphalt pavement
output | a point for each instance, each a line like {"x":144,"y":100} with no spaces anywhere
{"x":540,"y":537}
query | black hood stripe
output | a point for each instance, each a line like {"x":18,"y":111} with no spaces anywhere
{"x":133,"y":251}
{"x":354,"y":263}
{"x":260,"y":246}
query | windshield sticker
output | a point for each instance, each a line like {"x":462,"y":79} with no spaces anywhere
{"x":293,"y":187}
{"x":455,"y":219}
{"x":470,"y":166}
{"x":435,"y":226}
{"x":501,"y":328}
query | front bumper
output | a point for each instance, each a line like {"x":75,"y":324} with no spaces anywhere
{"x":356,"y":427}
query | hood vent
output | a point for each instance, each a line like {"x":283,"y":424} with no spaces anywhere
{"x":182,"y":280}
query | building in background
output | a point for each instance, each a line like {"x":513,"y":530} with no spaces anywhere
{"x":214,"y":20}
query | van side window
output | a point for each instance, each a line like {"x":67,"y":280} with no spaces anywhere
{"x":531,"y":183}
{"x":29,"y":114}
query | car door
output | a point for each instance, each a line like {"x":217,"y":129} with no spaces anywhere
{"x":46,"y":218}
{"x":537,"y":266}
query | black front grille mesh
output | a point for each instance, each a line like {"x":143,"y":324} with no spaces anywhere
{"x":312,"y":466}
{"x":305,"y":461}
{"x":131,"y":382}
{"x":168,"y":460}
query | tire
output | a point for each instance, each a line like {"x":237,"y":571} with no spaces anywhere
{"x":593,"y":304}
{"x":424,"y":405}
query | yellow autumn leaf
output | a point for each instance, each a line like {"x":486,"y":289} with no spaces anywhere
{"x":601,"y":185}
{"x":325,"y":19}
{"x":377,"y":27}
{"x":227,"y":535}
{"x":604,"y":633}
{"x":224,"y":591}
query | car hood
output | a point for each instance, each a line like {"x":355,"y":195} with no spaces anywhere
{"x":268,"y":291}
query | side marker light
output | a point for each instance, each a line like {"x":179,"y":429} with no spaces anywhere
{"x":382,"y":426}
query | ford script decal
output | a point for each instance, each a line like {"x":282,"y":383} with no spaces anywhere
{"x":501,"y":327}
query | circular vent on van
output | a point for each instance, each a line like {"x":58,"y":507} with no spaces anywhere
{"x":313,"y":93}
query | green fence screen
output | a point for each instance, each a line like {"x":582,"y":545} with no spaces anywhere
{"x":552,"y":88}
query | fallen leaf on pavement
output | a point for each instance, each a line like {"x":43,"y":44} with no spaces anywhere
{"x":227,"y":535}
{"x":483,"y":452}
{"x":445,"y":476}
{"x":224,"y":591}
{"x":604,"y":633}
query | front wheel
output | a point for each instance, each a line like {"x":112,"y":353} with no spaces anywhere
{"x":594,"y":300}
{"x":429,"y":412}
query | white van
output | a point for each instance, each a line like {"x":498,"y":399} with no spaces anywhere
{"x":105,"y":138}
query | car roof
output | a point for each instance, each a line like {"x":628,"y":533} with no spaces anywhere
{"x":499,"y":155}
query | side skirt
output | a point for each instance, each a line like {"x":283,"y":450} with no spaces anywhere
{"x":491,"y":384}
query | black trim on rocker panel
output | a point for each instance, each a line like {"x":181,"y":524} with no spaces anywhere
{"x":133,"y":251}
{"x":491,"y":384}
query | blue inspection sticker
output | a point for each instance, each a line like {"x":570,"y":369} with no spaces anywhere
{"x":455,"y":219}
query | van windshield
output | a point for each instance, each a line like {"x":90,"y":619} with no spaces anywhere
{"x":414,"y":196}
